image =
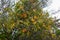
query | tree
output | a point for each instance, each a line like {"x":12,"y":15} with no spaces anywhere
{"x":45,"y":3}
{"x":27,"y":21}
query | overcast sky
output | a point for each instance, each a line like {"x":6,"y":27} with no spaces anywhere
{"x":55,"y":5}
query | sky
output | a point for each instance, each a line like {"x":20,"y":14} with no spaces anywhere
{"x":54,"y":7}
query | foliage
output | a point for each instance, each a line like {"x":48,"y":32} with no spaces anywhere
{"x":27,"y":21}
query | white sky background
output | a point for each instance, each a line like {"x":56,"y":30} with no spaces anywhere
{"x":54,"y":7}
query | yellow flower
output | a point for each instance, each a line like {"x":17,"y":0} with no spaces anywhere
{"x":48,"y":27}
{"x":12,"y":25}
{"x":53,"y":35}
{"x":35,"y":17}
{"x":33,"y":20}
{"x":23,"y":15}
{"x":24,"y":30}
